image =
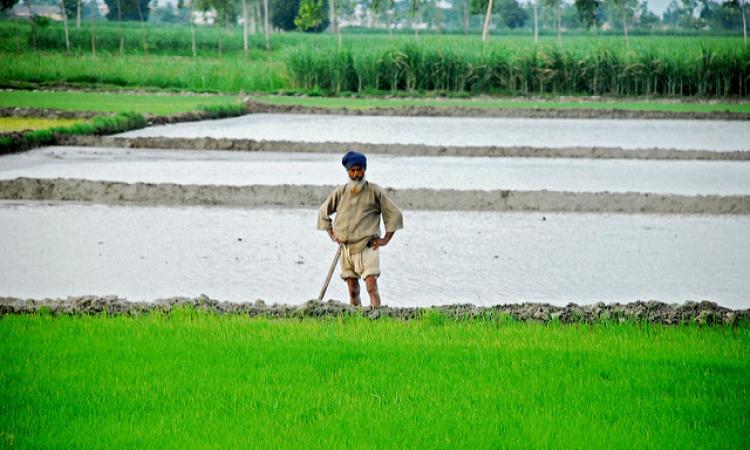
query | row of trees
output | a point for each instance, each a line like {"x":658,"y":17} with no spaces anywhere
{"x":319,"y":15}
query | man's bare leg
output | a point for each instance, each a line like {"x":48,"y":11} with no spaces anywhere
{"x":353,"y":284}
{"x":372,"y":289}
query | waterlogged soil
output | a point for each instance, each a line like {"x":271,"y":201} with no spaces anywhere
{"x":442,"y":131}
{"x":459,"y":173}
{"x":483,"y":258}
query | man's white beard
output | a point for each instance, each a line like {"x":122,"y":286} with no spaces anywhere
{"x":355,"y":186}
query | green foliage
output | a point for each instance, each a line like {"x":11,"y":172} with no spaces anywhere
{"x":531,"y":70}
{"x":587,"y":11}
{"x":190,"y":379}
{"x":127,"y":10}
{"x":6,"y":5}
{"x":201,"y":75}
{"x":512,"y":14}
{"x":106,"y":102}
{"x":285,"y":12}
{"x":223,"y":110}
{"x":310,"y":15}
{"x":101,"y":125}
{"x":454,"y":65}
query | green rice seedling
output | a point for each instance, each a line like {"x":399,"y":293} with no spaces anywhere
{"x":191,"y":379}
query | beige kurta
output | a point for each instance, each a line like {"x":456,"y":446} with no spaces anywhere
{"x":358,"y":216}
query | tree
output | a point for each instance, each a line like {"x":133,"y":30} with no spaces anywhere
{"x":378,"y":5}
{"x":310,"y":15}
{"x":587,"y":10}
{"x":556,"y":5}
{"x":95,"y":12}
{"x":283,"y":13}
{"x":65,"y":26}
{"x":512,"y":14}
{"x":740,"y":5}
{"x":415,"y":7}
{"x":647,"y":19}
{"x":625,"y":7}
{"x":483,"y":7}
{"x":7,"y":5}
{"x":128,"y":10}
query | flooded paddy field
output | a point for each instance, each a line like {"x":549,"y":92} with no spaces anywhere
{"x":452,"y":131}
{"x":145,"y":253}
{"x":233,"y":168}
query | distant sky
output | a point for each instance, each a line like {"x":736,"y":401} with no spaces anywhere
{"x":658,"y":6}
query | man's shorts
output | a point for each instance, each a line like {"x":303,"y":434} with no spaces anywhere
{"x":359,"y":265}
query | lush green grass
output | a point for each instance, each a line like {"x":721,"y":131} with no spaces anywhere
{"x":193,"y":380}
{"x":112,"y":102}
{"x":33,"y":123}
{"x":223,"y":75}
{"x":496,"y":103}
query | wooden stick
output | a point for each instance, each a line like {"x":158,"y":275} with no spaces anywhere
{"x":330,"y":272}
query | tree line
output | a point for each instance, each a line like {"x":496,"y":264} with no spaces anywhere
{"x":434,"y":15}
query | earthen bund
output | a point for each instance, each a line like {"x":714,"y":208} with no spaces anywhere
{"x":311,"y":196}
{"x":207,"y":143}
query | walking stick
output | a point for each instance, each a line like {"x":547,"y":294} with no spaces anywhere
{"x":330,"y":272}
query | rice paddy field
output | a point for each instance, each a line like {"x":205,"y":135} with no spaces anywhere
{"x":8,"y":124}
{"x":192,"y":379}
{"x":161,"y":57}
{"x":107,"y":102}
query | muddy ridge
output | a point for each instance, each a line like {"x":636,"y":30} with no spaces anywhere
{"x":250,"y":145}
{"x":48,"y":113}
{"x":460,"y":111}
{"x":310,"y":196}
{"x":704,"y":312}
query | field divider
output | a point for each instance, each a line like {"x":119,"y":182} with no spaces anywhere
{"x":312,"y":196}
{"x":702,"y":313}
{"x":260,"y":107}
{"x":251,"y":145}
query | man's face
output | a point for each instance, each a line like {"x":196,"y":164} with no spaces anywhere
{"x":356,"y":173}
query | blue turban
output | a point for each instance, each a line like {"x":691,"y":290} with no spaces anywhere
{"x":352,"y":159}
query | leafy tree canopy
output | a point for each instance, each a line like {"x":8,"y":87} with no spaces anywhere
{"x":131,"y":10}
{"x":310,"y":15}
{"x":283,"y":13}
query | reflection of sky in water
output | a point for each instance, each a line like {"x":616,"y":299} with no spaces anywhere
{"x":467,"y":131}
{"x":244,"y":168}
{"x":441,"y":257}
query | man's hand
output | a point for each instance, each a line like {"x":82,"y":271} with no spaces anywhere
{"x":377,"y":243}
{"x":381,"y":242}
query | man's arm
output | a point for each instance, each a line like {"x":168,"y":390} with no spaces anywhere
{"x":393,"y":219}
{"x":382,"y":242}
{"x":324,"y":214}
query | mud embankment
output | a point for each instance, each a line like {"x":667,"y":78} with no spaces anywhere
{"x":706,"y":313}
{"x":515,"y":113}
{"x":47,"y":113}
{"x":309,"y":196}
{"x":250,"y":145}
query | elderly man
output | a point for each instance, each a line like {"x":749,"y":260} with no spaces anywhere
{"x":358,"y":206}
